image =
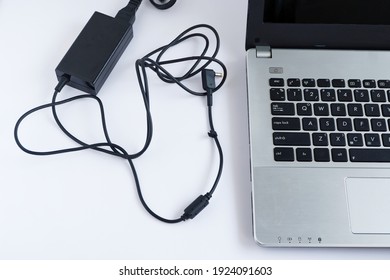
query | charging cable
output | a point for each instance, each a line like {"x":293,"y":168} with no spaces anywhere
{"x":155,"y":62}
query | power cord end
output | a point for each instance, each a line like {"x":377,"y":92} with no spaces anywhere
{"x":208,"y":79}
{"x":208,"y":83}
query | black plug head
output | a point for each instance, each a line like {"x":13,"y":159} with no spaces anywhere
{"x":208,"y":79}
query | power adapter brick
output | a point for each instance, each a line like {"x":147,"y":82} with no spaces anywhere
{"x":97,"y":49}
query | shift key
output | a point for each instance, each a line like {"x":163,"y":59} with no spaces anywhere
{"x":291,"y":139}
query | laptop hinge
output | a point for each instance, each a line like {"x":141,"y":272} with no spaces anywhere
{"x":263,"y":52}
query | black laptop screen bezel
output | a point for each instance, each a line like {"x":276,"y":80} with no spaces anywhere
{"x":328,"y":36}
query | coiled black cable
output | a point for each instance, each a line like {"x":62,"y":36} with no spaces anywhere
{"x":157,"y":65}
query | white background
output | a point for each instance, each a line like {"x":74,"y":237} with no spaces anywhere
{"x":84,"y":205}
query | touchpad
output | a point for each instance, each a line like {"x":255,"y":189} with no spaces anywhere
{"x":369,"y":204}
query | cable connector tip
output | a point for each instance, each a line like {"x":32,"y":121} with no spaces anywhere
{"x":208,"y":79}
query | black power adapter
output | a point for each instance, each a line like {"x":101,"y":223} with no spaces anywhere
{"x":97,"y":49}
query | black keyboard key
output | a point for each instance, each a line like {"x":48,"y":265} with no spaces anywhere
{"x":354,"y":83}
{"x":323,"y":83}
{"x":309,"y":124}
{"x":369,"y":155}
{"x":284,"y":154}
{"x":344,"y":95}
{"x":294,"y":82}
{"x":320,"y":139}
{"x":282,"y":109}
{"x":308,"y":83}
{"x":337,"y":139}
{"x":386,"y":110}
{"x":339,"y":155}
{"x":339,"y":83}
{"x":378,"y":95}
{"x":386,"y":139}
{"x":372,"y":140}
{"x":369,"y":83}
{"x":338,"y":109}
{"x":276,"y":82}
{"x":286,"y":124}
{"x":384,"y":83}
{"x":294,"y":94}
{"x":355,"y":139}
{"x":304,"y":109}
{"x":327,"y":124}
{"x":361,"y":95}
{"x":321,"y":155}
{"x":328,"y":94}
{"x":277,"y":94}
{"x":372,"y":110}
{"x":291,"y":138}
{"x":344,"y":124}
{"x":361,"y":124}
{"x":304,"y":154}
{"x":355,"y":110}
{"x":321,"y":109}
{"x":378,"y":125}
{"x":311,"y":94}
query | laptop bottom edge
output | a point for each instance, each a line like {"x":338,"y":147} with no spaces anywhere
{"x":333,"y":207}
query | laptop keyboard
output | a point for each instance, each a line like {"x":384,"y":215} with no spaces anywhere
{"x":330,"y":120}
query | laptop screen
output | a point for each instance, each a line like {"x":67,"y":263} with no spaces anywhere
{"x":331,"y":24}
{"x":328,"y":11}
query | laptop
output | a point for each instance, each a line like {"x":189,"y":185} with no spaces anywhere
{"x":318,"y":78}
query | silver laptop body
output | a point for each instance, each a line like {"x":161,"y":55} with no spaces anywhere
{"x":319,"y":117}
